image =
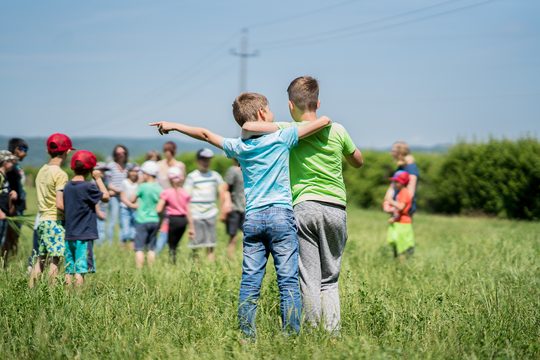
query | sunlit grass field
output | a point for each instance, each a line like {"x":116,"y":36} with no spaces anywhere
{"x":470,"y":291}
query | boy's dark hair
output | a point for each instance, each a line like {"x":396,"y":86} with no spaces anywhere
{"x":14,"y":143}
{"x":304,"y":93}
{"x":53,"y":153}
{"x":80,"y":169}
{"x":246,"y":106}
{"x":120,"y":146}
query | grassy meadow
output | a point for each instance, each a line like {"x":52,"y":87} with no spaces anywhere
{"x":471,"y":291}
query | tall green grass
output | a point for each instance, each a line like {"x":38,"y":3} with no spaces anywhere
{"x":470,"y":291}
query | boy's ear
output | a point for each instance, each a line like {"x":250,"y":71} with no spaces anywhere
{"x":318,"y":104}
{"x":261,"y":114}
{"x":291,"y":106}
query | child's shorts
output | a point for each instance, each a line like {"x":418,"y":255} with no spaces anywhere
{"x":145,"y":236}
{"x":235,"y":222}
{"x":205,"y":233}
{"x":401,"y":236}
{"x":80,"y":257}
{"x":51,"y":238}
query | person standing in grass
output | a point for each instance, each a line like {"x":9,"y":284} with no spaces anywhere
{"x":127,"y":208}
{"x":7,"y":196}
{"x":146,"y":217}
{"x":405,"y":161}
{"x":270,"y":226}
{"x":16,"y":178}
{"x":81,"y":201}
{"x":234,"y":216}
{"x":115,"y":176}
{"x":204,"y":186}
{"x":50,"y":182}
{"x":168,"y":161}
{"x":174,"y":201}
{"x":319,"y":200}
{"x":400,"y":232}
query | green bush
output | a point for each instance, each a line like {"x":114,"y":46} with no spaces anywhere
{"x":500,"y":177}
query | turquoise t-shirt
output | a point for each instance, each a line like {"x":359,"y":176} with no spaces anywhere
{"x":147,"y":199}
{"x":265,"y":168}
{"x":317,"y":164}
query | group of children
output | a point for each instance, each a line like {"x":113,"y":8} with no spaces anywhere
{"x":295,"y":205}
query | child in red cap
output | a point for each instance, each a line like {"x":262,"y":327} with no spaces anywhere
{"x":81,"y":201}
{"x":400,"y":232}
{"x":50,"y":182}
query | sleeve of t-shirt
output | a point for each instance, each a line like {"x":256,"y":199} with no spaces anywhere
{"x":289,"y":136}
{"x":229,"y":147}
{"x":163,"y":195}
{"x":348,"y":146}
{"x":61,"y":180}
{"x":412,"y":169}
{"x":188,"y":185}
{"x":94,"y":194}
{"x":219,"y":179}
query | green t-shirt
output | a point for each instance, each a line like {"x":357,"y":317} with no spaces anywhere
{"x":147,"y":199}
{"x":316,"y":165}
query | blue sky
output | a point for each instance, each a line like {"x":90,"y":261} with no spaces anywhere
{"x":426,"y":71}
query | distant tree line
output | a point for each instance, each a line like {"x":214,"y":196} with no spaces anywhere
{"x":497,"y":178}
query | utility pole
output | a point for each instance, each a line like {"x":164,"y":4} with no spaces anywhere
{"x":243,"y":54}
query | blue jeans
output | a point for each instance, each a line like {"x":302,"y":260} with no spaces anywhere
{"x":101,"y":225}
{"x":162,"y":239}
{"x":127,"y":224}
{"x":113,"y":217}
{"x":270,"y":231}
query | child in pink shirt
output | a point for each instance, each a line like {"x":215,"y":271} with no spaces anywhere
{"x":175,"y":202}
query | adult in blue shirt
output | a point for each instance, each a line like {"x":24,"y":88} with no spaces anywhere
{"x":405,"y":161}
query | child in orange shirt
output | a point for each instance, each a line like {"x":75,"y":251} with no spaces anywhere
{"x":400,"y":232}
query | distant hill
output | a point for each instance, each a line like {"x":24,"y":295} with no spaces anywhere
{"x":102,"y":147}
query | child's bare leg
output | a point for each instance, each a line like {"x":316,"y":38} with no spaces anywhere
{"x":150,"y":257}
{"x":53,"y":269}
{"x":79,"y":279}
{"x":210,"y":254}
{"x":139,"y":259}
{"x":37,"y":269}
{"x":231,"y":248}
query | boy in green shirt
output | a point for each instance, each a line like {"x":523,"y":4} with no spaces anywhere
{"x":319,"y":201}
{"x":146,"y":217}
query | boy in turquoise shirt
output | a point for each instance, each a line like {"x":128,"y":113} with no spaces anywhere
{"x":319,"y":200}
{"x":146,"y":217}
{"x":269,"y":227}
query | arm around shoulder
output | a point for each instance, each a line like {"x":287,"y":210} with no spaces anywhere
{"x":313,"y":126}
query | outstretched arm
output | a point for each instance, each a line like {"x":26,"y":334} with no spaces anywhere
{"x":164,"y":127}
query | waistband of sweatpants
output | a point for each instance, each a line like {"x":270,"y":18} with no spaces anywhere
{"x":324,"y":203}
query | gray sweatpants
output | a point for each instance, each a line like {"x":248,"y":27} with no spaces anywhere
{"x":322,"y":235}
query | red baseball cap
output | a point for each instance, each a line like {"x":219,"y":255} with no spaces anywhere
{"x":59,"y":143}
{"x":87,"y":158}
{"x":401,"y":177}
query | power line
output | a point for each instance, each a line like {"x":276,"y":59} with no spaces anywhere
{"x":299,"y":15}
{"x":349,"y":30}
{"x":187,"y":74}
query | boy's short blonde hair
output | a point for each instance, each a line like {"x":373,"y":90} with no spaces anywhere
{"x":246,"y":106}
{"x":304,"y":93}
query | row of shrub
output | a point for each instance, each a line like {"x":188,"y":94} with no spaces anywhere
{"x":499,"y":178}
